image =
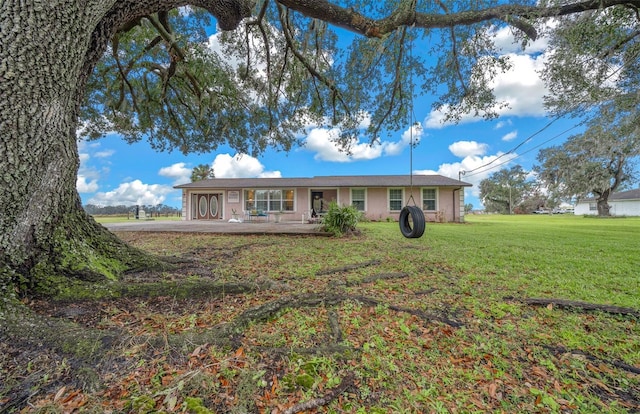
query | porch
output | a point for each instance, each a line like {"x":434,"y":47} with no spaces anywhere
{"x":217,"y":226}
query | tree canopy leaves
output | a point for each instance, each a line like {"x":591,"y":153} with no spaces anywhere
{"x":291,"y":66}
{"x":506,"y":189}
{"x":597,"y":162}
{"x":202,"y":172}
{"x":596,"y":60}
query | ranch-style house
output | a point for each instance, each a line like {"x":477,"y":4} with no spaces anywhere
{"x":379,"y":197}
{"x":624,"y":203}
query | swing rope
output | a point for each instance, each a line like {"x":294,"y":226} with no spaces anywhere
{"x":411,"y":120}
{"x":411,"y":220}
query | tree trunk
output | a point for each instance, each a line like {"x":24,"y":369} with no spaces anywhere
{"x":47,"y":51}
{"x":603,"y":204}
{"x":603,"y":208}
{"x":43,"y":230}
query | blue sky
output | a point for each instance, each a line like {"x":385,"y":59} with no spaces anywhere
{"x":113,"y":172}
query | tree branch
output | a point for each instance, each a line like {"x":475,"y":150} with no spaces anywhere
{"x":618,"y":364}
{"x":347,"y":382}
{"x":454,"y":50}
{"x":511,"y":14}
{"x":564,"y":303}
{"x":312,"y":70}
{"x":397,"y":86}
{"x":124,"y":78}
{"x":127,"y":13}
{"x":267,"y":49}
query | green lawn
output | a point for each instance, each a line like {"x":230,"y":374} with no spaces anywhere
{"x":431,"y":325}
{"x":563,"y":256}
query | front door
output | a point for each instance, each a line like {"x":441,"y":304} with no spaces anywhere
{"x":207,"y":206}
{"x":317,"y":202}
{"x":214,"y":208}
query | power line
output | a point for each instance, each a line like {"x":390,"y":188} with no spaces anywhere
{"x":517,"y":146}
{"x":483,"y":167}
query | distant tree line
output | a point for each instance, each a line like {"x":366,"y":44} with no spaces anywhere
{"x":158,"y":209}
{"x":596,"y":163}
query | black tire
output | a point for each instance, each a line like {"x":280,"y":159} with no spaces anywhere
{"x":417,"y":218}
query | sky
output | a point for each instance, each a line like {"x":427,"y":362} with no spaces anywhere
{"x":113,"y":172}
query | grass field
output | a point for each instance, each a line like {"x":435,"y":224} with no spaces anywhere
{"x":565,"y":256}
{"x":432,"y":325}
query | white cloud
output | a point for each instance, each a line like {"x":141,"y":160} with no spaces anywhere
{"x":436,"y":118}
{"x":506,"y":43}
{"x":467,"y":148}
{"x":87,"y":179}
{"x":130,"y":193}
{"x":477,"y":167}
{"x":413,"y":133}
{"x":502,"y":124}
{"x":240,"y":166}
{"x":510,"y":136}
{"x":320,"y":141}
{"x":104,"y":154}
{"x":216,"y":48}
{"x":84,"y":186}
{"x":178,"y":172}
{"x":520,"y":87}
{"x":270,"y":174}
{"x":323,"y":142}
{"x":244,"y":38}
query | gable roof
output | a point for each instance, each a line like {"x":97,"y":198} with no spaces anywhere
{"x":626,"y":195}
{"x":330,"y":181}
{"x":622,"y":195}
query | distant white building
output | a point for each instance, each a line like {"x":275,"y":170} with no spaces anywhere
{"x":625,"y":203}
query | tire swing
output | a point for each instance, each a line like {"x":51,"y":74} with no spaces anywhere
{"x":411,"y":220}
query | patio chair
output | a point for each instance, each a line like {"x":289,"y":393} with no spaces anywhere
{"x":257,"y":214}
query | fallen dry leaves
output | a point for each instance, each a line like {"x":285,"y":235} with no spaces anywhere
{"x":490,"y":364}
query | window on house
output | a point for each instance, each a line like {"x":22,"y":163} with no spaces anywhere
{"x":593,"y":206}
{"x":429,"y":199}
{"x":262,"y":200}
{"x":275,"y":200}
{"x":249,"y":200}
{"x":395,"y":199}
{"x":269,"y":200}
{"x":287,"y":200}
{"x":357,"y":198}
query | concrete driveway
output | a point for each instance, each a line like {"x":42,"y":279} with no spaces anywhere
{"x":201,"y":226}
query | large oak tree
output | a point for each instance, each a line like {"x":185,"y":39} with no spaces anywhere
{"x":597,"y":162}
{"x":505,"y":190}
{"x":139,"y":67}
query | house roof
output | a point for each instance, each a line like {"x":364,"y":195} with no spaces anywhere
{"x":622,"y":195}
{"x":330,"y":181}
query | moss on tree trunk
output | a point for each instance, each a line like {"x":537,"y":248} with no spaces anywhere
{"x":84,"y":251}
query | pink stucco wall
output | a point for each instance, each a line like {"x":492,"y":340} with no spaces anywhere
{"x":449,"y":203}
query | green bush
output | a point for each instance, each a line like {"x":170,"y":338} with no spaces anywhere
{"x":340,"y":220}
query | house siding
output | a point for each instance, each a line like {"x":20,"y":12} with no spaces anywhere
{"x":449,"y":195}
{"x":625,"y":203}
{"x":618,"y":208}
